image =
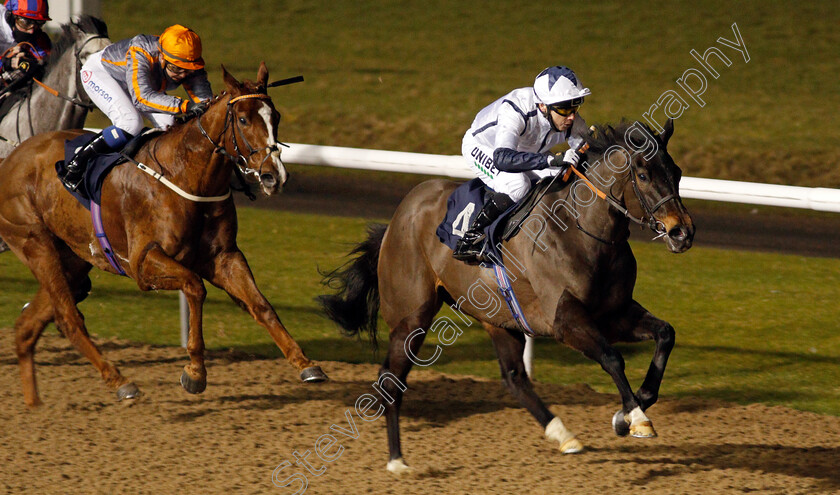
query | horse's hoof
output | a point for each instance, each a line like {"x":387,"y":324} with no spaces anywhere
{"x":192,"y":386}
{"x":571,"y":446}
{"x":397,"y":466}
{"x":313,"y":374}
{"x":128,"y":391}
{"x":643,"y":430}
{"x":620,"y":425}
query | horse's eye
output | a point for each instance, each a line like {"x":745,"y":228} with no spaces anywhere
{"x":643,"y":177}
{"x":242,"y":120}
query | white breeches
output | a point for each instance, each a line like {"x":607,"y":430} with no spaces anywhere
{"x":107,"y":94}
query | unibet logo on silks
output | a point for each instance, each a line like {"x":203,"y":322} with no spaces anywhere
{"x":92,"y":88}
{"x":482,"y":160}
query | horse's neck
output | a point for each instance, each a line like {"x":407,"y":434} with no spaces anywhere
{"x":64,"y":78}
{"x":579,"y":211}
{"x":191,"y":158}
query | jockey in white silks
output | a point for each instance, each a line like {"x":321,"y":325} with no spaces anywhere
{"x":508,"y":146}
{"x":128,"y":81}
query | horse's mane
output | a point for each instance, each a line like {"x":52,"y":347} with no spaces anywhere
{"x":247,"y":84}
{"x":86,"y":24}
{"x":606,"y":135}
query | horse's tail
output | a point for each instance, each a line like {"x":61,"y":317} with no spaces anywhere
{"x":355,"y":306}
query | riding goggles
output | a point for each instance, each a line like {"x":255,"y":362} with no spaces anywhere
{"x":564,"y":112}
{"x":175,"y":70}
{"x":27,"y":23}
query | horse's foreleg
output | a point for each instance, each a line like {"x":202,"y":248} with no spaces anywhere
{"x":158,"y":271}
{"x":509,"y":348}
{"x":231,"y":273}
{"x":574,"y":327}
{"x":639,"y":324}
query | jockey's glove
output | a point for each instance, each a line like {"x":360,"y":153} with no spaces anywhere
{"x":572,"y":157}
{"x":191,"y":109}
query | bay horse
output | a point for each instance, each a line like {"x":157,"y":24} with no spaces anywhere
{"x":163,"y":240}
{"x":575,"y":279}
{"x":43,"y":110}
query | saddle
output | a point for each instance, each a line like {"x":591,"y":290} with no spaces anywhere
{"x":466,"y":201}
{"x":91,"y":187}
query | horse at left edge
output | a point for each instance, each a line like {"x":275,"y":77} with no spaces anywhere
{"x":169,"y":228}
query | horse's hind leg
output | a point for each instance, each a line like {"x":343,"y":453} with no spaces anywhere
{"x":28,"y":328}
{"x":638,"y":324}
{"x":509,"y":348}
{"x":36,"y":315}
{"x":406,"y":337}
{"x":231,"y":273}
{"x":44,"y":259}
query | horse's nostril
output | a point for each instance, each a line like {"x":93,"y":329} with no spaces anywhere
{"x":678,"y":233}
{"x":268,"y":180}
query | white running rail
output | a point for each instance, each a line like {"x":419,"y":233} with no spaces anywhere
{"x":814,"y":198}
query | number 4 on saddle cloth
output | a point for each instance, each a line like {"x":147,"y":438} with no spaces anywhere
{"x":89,"y":192}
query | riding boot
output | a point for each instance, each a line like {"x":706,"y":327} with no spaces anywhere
{"x":470,"y":248}
{"x":102,"y":143}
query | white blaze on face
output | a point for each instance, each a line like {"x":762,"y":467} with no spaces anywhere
{"x":265,"y":113}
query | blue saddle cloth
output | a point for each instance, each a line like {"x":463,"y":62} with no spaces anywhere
{"x":91,"y":186}
{"x":462,"y":206}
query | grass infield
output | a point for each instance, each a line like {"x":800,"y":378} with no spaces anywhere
{"x":411,"y":76}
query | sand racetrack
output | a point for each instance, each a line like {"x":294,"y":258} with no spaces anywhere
{"x":461,"y":435}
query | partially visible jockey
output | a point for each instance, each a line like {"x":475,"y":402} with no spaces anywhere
{"x":23,"y":44}
{"x":128,"y":81}
{"x":509,"y":145}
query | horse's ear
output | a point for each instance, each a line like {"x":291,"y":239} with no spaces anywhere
{"x":232,"y":84}
{"x":262,"y":75}
{"x":667,"y":131}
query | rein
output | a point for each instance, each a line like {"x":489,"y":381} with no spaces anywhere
{"x":649,"y":221}
{"x":217,"y":148}
{"x":76,"y":101}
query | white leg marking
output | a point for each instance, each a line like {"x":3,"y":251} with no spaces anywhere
{"x":397,"y":466}
{"x":640,"y":425}
{"x":556,"y":430}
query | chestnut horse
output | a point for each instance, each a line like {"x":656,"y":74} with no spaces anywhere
{"x":163,"y":240}
{"x":574,"y":278}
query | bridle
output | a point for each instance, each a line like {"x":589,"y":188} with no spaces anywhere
{"x":237,"y":134}
{"x":647,"y":221}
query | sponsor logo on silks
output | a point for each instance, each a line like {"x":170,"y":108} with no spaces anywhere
{"x":92,"y":88}
{"x":86,"y":74}
{"x":484,"y":162}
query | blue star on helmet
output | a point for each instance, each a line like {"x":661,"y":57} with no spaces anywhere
{"x":555,"y":73}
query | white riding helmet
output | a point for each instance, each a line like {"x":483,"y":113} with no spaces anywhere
{"x":559,"y":86}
